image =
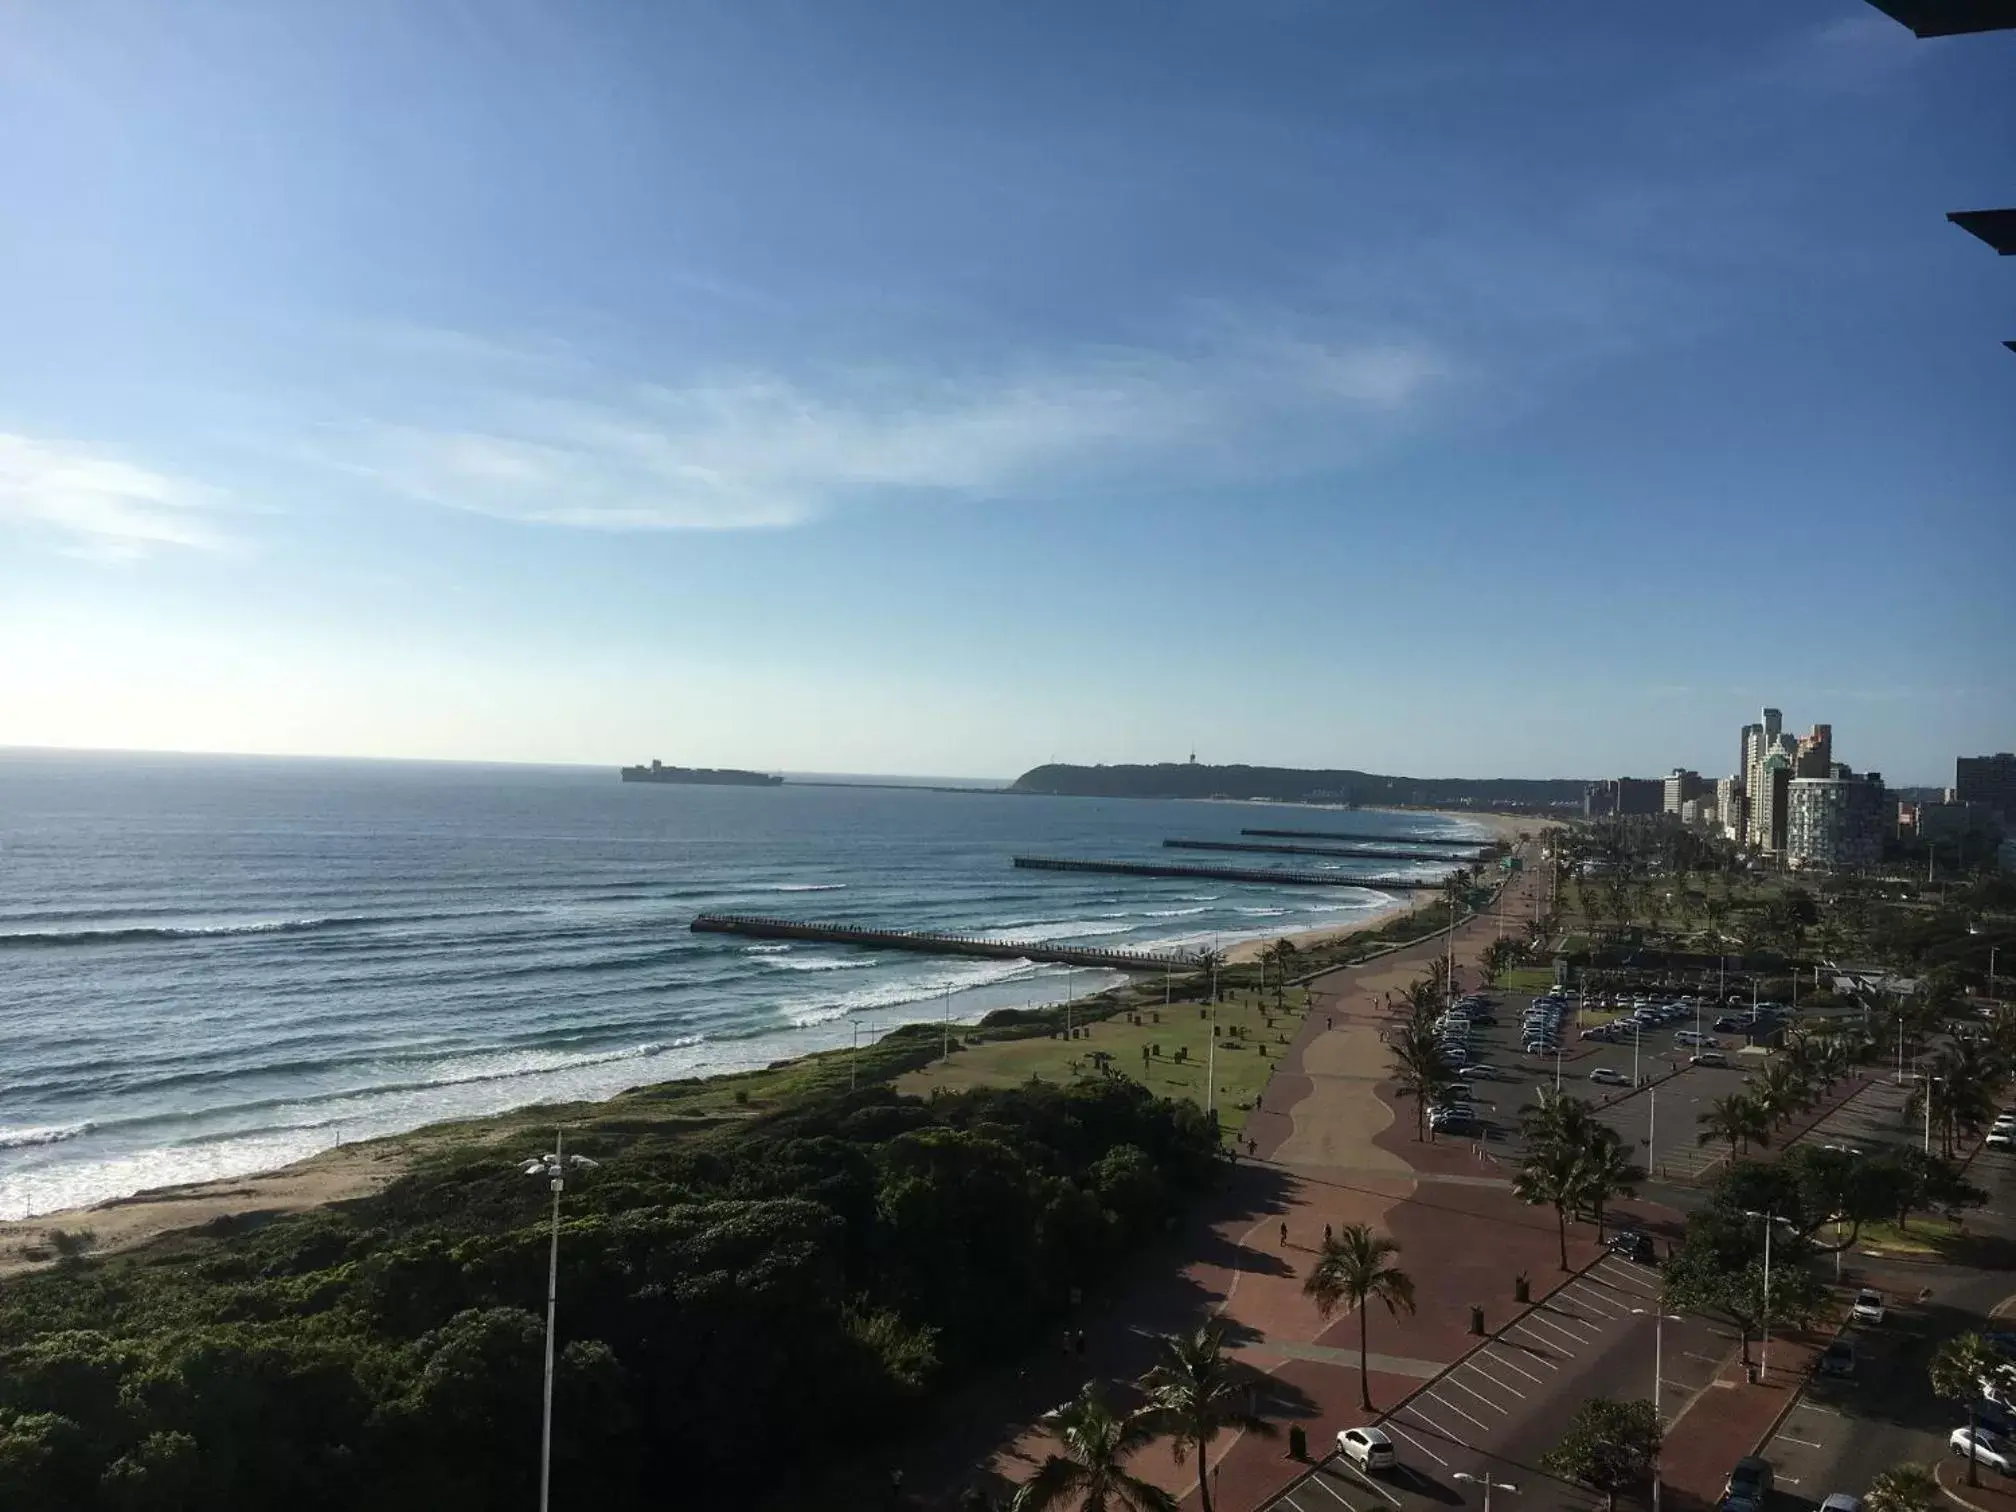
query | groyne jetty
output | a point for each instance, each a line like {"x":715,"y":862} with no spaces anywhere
{"x":1284,"y":848}
{"x":1472,"y":847}
{"x":1225,"y":874}
{"x":927,"y":943}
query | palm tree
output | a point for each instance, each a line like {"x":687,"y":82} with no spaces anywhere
{"x":1197,"y":1392}
{"x":1782,"y":1091}
{"x":1738,"y":1120}
{"x":1091,"y":1471}
{"x":1421,"y":1071}
{"x":1558,"y":1118}
{"x":1352,"y":1268}
{"x":1903,"y":1488}
{"x":1283,"y":955}
{"x":1208,"y":964}
{"x":1552,"y":1174}
{"x":1607,"y":1171}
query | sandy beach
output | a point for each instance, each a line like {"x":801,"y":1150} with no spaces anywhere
{"x":366,"y":1167}
{"x":1504,"y":827}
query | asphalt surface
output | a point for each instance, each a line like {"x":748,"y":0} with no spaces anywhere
{"x":1500,"y":1409}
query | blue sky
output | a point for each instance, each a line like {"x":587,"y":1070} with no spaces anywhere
{"x":905,"y":386}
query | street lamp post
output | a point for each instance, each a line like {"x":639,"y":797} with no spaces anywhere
{"x":1487,"y":1483}
{"x":1659,"y":1321}
{"x":553,"y":1168}
{"x":1764,"y":1343}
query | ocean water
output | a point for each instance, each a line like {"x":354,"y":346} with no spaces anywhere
{"x":211,"y":967}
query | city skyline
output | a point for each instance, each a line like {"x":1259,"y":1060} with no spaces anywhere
{"x":870,"y":388}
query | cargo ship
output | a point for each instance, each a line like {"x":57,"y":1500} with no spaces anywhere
{"x":702,"y":776}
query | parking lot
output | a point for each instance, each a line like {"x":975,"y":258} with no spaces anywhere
{"x":1663,"y":1123}
{"x":1677,"y":1102}
{"x":1507,"y":1403}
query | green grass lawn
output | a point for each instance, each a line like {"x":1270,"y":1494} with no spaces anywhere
{"x":1242,"y":1066}
{"x":1925,"y":1237}
{"x":1526,"y":979}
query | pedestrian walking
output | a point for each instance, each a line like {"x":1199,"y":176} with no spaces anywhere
{"x":1326,"y":1233}
{"x":1284,"y":1236}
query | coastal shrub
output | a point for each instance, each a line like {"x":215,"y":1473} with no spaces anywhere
{"x":828,"y":1264}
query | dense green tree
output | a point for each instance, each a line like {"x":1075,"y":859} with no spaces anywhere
{"x":1960,"y":1368}
{"x":1903,"y":1488}
{"x":1608,"y":1446}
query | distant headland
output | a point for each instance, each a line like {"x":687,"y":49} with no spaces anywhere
{"x":1191,"y":779}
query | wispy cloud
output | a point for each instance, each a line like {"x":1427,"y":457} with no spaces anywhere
{"x":763,"y":450}
{"x":99,"y":505}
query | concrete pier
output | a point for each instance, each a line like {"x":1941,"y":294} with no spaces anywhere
{"x":927,"y":943}
{"x":1357,"y":852}
{"x":1299,"y":834}
{"x":1227,"y":874}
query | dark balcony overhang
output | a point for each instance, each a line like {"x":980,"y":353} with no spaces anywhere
{"x":1995,"y":227}
{"x":1950,"y":18}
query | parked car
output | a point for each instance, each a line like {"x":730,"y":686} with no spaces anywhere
{"x":1983,"y":1447}
{"x":1837,"y":1359}
{"x":1749,"y":1485}
{"x":1707,"y":1058}
{"x":1841,"y":1501}
{"x":1727,"y":1024}
{"x":2001,"y":1139}
{"x":1633,"y":1245}
{"x":1868,"y":1306}
{"x":1367,"y":1448}
{"x":1477,"y":1071}
{"x":1609,"y":1076}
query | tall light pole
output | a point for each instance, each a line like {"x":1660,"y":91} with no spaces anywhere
{"x":1652,"y":1131}
{"x":1764,"y":1344}
{"x":1487,"y":1483}
{"x":553,"y":1168}
{"x":1659,"y":1321}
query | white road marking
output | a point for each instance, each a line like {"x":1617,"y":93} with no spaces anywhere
{"x":1575,"y":1323}
{"x":1495,"y":1360}
{"x":1435,"y":1427}
{"x":1537,"y":1322}
{"x":1444,"y":1401}
{"x":1452,"y":1381}
{"x":1704,"y":1359}
{"x":1802,"y":1443}
{"x":1417,"y":1443}
{"x":1368,"y":1482}
{"x":1588,"y":1299}
{"x":1317,"y":1480}
{"x":1538,"y":1350}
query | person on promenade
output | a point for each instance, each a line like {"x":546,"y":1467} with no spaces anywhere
{"x":1284,"y":1236}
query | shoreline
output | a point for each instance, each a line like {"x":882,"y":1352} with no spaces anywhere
{"x":347,"y":1171}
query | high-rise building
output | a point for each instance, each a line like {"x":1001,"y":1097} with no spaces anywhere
{"x":1767,"y":802}
{"x":1834,"y":823}
{"x":1814,"y":755}
{"x":1987,"y":780}
{"x":1760,"y":740}
{"x":1729,"y":806}
{"x":1679,"y":786}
